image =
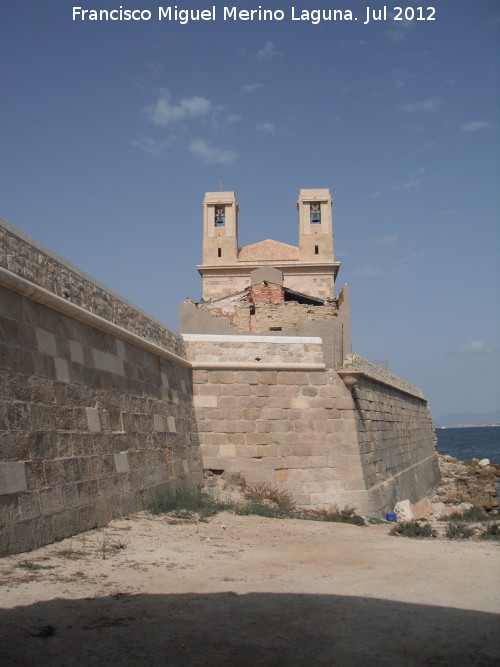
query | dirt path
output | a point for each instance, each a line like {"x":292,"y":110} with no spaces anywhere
{"x":250,"y":591}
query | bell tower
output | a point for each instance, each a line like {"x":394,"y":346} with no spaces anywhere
{"x":315,"y":225}
{"x":220,"y":228}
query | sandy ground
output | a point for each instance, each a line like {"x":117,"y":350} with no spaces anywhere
{"x":250,"y":591}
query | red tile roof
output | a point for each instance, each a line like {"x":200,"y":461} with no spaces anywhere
{"x":268,"y":250}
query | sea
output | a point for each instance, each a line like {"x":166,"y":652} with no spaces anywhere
{"x":472,"y":442}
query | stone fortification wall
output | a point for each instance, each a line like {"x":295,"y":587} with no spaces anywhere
{"x":101,"y":406}
{"x":26,"y":257}
{"x":91,"y":422}
{"x":304,"y":429}
{"x":397,"y":442}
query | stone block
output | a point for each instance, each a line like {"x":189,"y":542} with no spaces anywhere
{"x":12,"y":478}
{"x":93,"y":420}
{"x":76,"y":352}
{"x":121,"y":462}
{"x":292,"y":377}
{"x":46,"y":342}
{"x":200,"y":377}
{"x":110,"y":363}
{"x":273,"y":413}
{"x":221,"y":377}
{"x":158,"y":423}
{"x":200,"y":401}
{"x":260,"y":390}
{"x":299,"y":403}
{"x":313,"y":487}
{"x":281,"y":475}
{"x":268,"y":377}
{"x":171,"y":425}
{"x":246,"y":377}
{"x":42,"y":417}
{"x":317,"y":378}
{"x":62,"y":369}
{"x":236,"y":389}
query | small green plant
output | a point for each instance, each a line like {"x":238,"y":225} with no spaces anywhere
{"x":32,"y":566}
{"x":259,"y":508}
{"x":492,"y":532}
{"x":346,"y":515}
{"x":262,"y":492}
{"x":475,"y":514}
{"x":107,"y":545}
{"x":183,"y":503}
{"x":118,"y":544}
{"x":458,"y":530}
{"x":71,"y":553}
{"x":260,"y":499}
{"x":412,"y":529}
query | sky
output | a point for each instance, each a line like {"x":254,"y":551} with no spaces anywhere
{"x":112,"y":131}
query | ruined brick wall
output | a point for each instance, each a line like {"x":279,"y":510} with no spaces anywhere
{"x":91,"y":424}
{"x":267,"y":293}
{"x":329,"y":321}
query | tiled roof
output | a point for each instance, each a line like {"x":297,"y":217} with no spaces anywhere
{"x":268,"y":250}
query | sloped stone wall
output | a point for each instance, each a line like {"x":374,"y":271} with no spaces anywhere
{"x":91,"y":424}
{"x":303,"y":429}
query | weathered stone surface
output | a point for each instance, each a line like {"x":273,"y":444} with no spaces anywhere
{"x":403,"y":510}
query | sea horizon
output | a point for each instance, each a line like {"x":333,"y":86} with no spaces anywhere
{"x":469,"y":442}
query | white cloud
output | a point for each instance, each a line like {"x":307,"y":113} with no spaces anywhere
{"x":152,"y":146}
{"x":474,"y":126}
{"x":267,"y":52}
{"x":264,"y":128}
{"x":249,"y":88}
{"x":164,"y":113}
{"x":415,"y":179}
{"x":210,"y":154}
{"x":478,"y":347}
{"x":430,"y":105}
{"x":233,"y":118}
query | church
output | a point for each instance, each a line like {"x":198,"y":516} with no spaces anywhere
{"x":271,"y":287}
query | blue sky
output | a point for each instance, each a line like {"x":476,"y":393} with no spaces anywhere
{"x":111,"y":132}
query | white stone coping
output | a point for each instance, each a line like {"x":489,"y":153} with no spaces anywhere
{"x":30,"y":240}
{"x":228,"y":338}
{"x":41,"y":295}
{"x":374,"y":372}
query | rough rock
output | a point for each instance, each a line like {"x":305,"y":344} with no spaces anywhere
{"x":474,"y":484}
{"x":424,"y":510}
{"x":403,"y":510}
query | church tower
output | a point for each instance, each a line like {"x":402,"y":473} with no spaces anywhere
{"x":315,"y":226}
{"x":220,"y":228}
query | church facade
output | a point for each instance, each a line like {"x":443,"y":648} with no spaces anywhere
{"x":308,"y":268}
{"x":271,"y":287}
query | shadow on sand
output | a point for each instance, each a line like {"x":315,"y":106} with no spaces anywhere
{"x":258,"y":629}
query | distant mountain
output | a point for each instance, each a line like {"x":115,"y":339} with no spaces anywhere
{"x":468,"y":419}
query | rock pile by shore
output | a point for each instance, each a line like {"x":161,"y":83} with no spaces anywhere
{"x":468,"y":483}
